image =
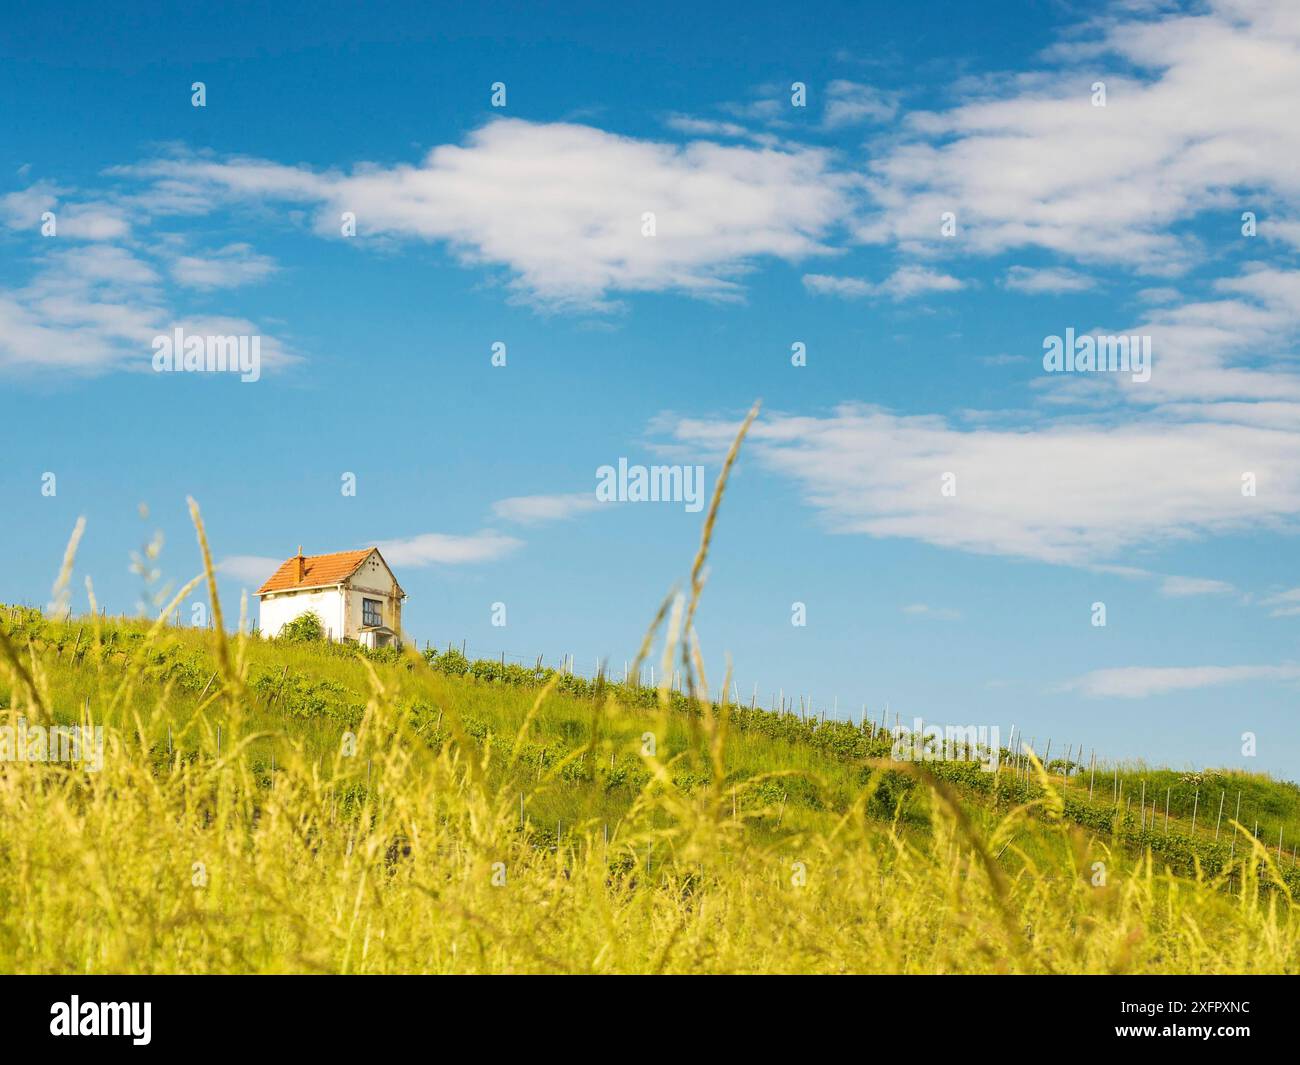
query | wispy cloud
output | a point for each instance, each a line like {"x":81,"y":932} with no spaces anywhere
{"x":228,"y":267}
{"x":248,"y":569}
{"x":706,"y":127}
{"x":89,"y":220}
{"x":1224,"y":348}
{"x":90,"y":308}
{"x":535,"y":510}
{"x":1070,"y":492}
{"x":443,"y":549}
{"x":1284,"y":604}
{"x":903,"y":283}
{"x":1183,"y":587}
{"x":1047,"y":280}
{"x":850,"y":103}
{"x":1136,"y":682}
{"x":22,"y":209}
{"x":1159,"y":294}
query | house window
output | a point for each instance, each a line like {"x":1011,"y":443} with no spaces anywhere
{"x":372,"y":612}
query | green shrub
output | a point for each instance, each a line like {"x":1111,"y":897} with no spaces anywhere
{"x":450,"y":661}
{"x":305,"y":628}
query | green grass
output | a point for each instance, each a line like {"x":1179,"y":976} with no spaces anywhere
{"x":683,"y":861}
{"x":309,"y":695}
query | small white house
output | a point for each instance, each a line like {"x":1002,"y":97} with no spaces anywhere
{"x":354,"y":594}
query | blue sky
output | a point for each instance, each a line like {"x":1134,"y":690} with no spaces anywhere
{"x":774,"y":224}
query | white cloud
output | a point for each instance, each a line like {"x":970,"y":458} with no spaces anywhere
{"x":98,"y":263}
{"x":1047,"y":280}
{"x":442,"y":549}
{"x":771,"y":108}
{"x":248,"y":569}
{"x":23,"y":209}
{"x":88,"y":308}
{"x":1136,"y":682}
{"x":91,"y":221}
{"x":228,"y":267}
{"x":706,"y":127}
{"x":1184,"y":587}
{"x":1159,"y":294}
{"x":903,"y":283}
{"x":1027,"y":161}
{"x":908,"y":281}
{"x":1232,"y":347}
{"x":91,"y":308}
{"x":534,"y":510}
{"x":849,"y":288}
{"x":849,"y":103}
{"x":1285,"y":604}
{"x":561,"y":206}
{"x":1284,"y":230}
{"x":1073,"y":493}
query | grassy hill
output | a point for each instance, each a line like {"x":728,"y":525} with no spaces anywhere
{"x":306,"y":806}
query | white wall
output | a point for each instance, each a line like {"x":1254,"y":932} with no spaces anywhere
{"x":279,"y":608}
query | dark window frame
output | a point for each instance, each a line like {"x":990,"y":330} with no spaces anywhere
{"x":372,"y":612}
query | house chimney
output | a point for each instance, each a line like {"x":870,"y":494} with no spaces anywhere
{"x":300,"y":561}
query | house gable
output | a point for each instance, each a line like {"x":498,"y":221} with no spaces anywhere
{"x":373,"y":564}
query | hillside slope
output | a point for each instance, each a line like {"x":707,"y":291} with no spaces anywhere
{"x":306,"y":807}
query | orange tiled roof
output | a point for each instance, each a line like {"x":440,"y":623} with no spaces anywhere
{"x":318,"y":571}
